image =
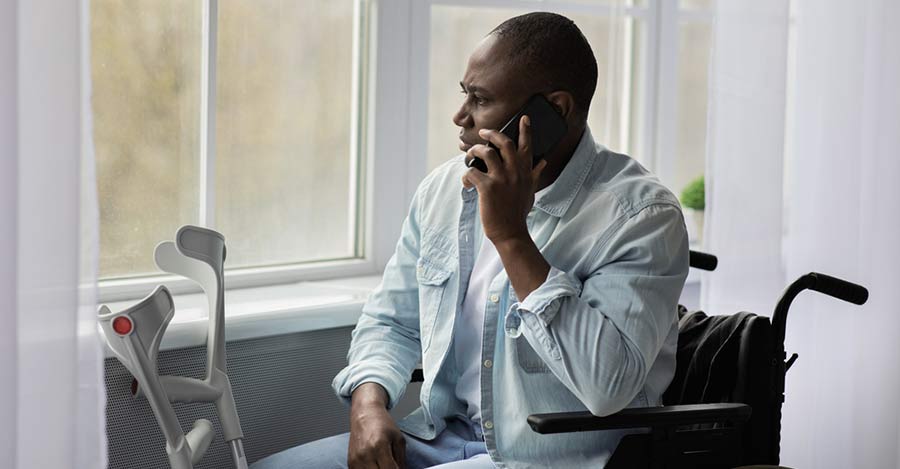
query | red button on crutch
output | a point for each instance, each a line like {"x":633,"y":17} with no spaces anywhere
{"x":122,"y":325}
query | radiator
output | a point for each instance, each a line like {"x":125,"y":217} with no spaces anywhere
{"x":281,"y":385}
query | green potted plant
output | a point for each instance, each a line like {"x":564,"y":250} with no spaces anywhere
{"x":693,"y":200}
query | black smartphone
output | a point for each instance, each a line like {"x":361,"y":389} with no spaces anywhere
{"x":547,"y":129}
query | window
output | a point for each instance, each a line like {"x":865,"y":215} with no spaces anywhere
{"x":292,"y":125}
{"x":146,"y":103}
{"x":241,"y":115}
{"x":461,"y":28}
{"x":693,"y":63}
{"x":651,"y":94}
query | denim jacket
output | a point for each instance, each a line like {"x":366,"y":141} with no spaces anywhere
{"x":599,"y":334}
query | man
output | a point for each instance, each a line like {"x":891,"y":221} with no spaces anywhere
{"x":521,"y":290}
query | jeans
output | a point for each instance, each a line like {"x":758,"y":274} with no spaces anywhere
{"x":459,"y":446}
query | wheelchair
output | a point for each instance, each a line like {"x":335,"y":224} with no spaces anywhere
{"x":722,"y":409}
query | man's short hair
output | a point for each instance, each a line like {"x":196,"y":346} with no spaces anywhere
{"x":550,"y":49}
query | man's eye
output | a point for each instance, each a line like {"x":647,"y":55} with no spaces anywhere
{"x":478,"y":99}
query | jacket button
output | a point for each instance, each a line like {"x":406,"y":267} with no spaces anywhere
{"x":495,"y":298}
{"x":489,"y":425}
{"x":488,"y":363}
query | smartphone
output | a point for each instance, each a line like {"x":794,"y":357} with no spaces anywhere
{"x":547,"y":129}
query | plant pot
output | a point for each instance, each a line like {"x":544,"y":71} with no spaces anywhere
{"x":693,"y":220}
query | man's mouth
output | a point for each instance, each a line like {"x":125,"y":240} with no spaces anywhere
{"x":463,"y":146}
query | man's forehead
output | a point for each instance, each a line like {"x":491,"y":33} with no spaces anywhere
{"x":487,"y":50}
{"x":488,"y":67}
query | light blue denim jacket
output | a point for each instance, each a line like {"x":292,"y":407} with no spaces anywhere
{"x":598,"y":335}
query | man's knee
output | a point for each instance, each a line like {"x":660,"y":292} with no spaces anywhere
{"x":326,"y":453}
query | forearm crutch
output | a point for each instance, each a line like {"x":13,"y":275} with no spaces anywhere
{"x":134,"y":336}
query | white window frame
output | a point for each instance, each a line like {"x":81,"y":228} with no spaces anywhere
{"x":667,"y":19}
{"x":660,"y":84}
{"x":389,"y":122}
{"x":361,"y":181}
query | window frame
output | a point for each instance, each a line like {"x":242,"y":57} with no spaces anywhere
{"x":361,"y":210}
{"x":391,"y":47}
{"x":660,"y":84}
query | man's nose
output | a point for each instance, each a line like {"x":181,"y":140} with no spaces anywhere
{"x":462,"y":118}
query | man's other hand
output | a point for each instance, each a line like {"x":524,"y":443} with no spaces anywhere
{"x":375,"y":440}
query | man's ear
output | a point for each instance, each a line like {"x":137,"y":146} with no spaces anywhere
{"x":564,"y":103}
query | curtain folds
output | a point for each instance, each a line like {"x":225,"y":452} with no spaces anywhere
{"x":844,"y":219}
{"x":745,"y":143}
{"x":8,"y":233}
{"x":804,"y":165}
{"x":52,"y":390}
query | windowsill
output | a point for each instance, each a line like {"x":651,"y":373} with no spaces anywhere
{"x":267,"y":311}
{"x":275,"y":310}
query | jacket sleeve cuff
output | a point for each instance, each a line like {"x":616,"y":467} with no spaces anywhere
{"x":543,"y":303}
{"x":358,"y":374}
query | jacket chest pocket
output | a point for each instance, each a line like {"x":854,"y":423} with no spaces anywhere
{"x":432,"y":280}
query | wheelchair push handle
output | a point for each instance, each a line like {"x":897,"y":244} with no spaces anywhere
{"x":841,"y":289}
{"x":831,"y":286}
{"x":703,"y":261}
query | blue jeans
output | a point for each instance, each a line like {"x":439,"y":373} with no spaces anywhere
{"x":459,"y":446}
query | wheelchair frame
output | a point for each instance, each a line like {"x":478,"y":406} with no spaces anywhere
{"x":704,"y":435}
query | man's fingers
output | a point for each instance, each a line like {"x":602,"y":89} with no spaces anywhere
{"x":487,"y":154}
{"x":473,"y":178}
{"x":399,"y":450}
{"x":538,"y":169}
{"x":385,"y":458}
{"x":506,"y":146}
{"x":362,"y":461}
{"x":536,"y":172}
{"x":525,"y":138}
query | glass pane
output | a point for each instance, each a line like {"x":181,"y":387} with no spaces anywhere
{"x":145,"y":67}
{"x":611,"y":3}
{"x":455,"y":31}
{"x":696,"y":4}
{"x":693,"y":74}
{"x":283,"y":133}
{"x":618,"y":46}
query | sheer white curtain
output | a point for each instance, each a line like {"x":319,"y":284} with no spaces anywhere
{"x":8,"y":209}
{"x":745,"y":143}
{"x":837,"y":192}
{"x":51,"y":389}
{"x":844,"y":217}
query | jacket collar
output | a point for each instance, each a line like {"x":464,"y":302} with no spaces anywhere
{"x":562,"y":193}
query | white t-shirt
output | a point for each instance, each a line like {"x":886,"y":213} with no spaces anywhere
{"x":470,"y":325}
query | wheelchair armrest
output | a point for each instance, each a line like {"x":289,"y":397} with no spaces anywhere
{"x":639,"y":417}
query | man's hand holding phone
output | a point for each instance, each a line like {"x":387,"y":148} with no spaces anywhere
{"x":548,"y":128}
{"x":506,"y":190}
